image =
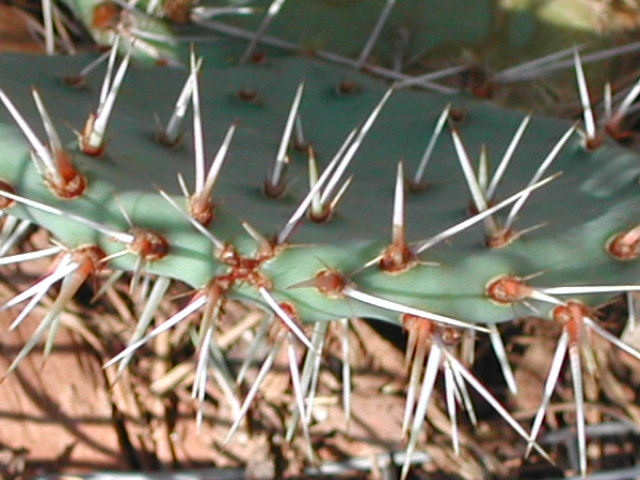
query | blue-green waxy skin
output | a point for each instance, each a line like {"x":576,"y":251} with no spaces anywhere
{"x":595,"y":197}
{"x":415,"y":31}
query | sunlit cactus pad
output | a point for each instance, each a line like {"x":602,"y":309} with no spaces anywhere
{"x":595,"y":197}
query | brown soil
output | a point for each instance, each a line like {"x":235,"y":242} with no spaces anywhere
{"x":60,"y":414}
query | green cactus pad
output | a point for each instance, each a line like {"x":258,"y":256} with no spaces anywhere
{"x":595,"y":197}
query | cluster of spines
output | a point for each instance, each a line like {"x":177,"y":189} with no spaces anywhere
{"x":73,"y":267}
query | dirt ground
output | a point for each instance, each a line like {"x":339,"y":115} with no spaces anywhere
{"x":61,"y":414}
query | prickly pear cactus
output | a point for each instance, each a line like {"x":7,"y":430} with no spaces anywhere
{"x":318,"y":192}
{"x":450,"y":278}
